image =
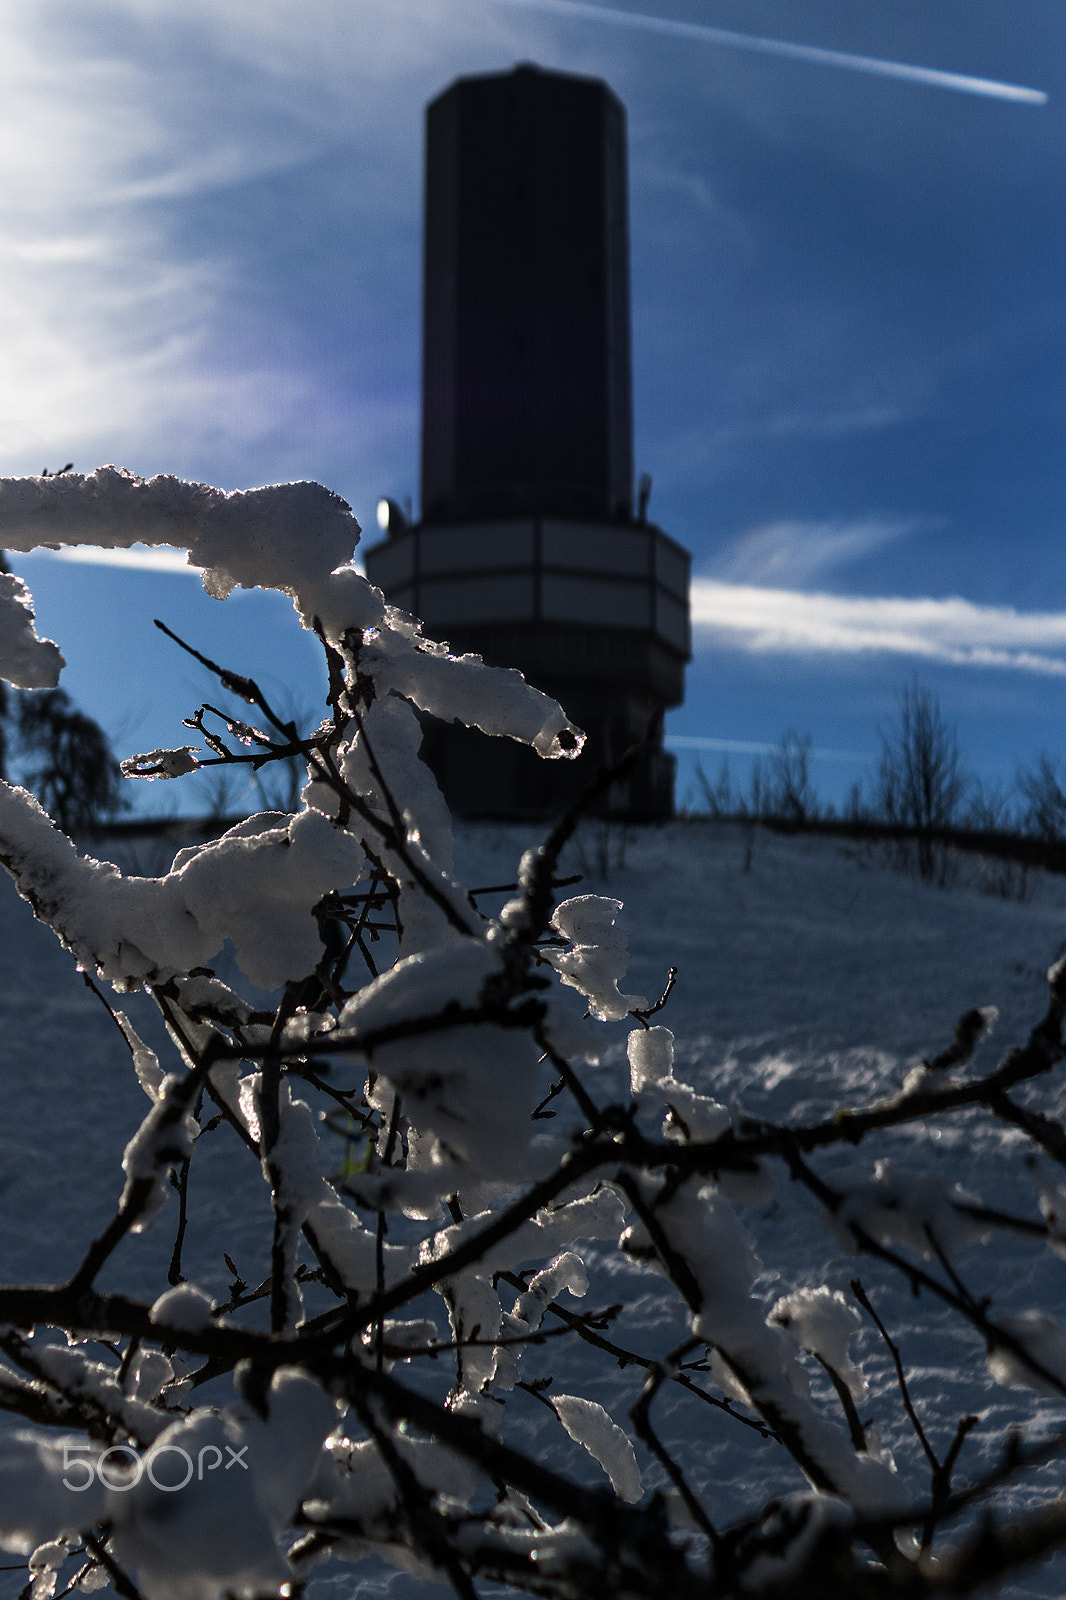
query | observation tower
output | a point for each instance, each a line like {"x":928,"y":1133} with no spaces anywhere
{"x":529,"y":551}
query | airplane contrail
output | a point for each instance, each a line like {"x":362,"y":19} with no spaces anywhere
{"x":932,"y":77}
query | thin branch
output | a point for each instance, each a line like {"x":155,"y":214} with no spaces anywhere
{"x":181,"y":1183}
{"x":139,"y":1191}
{"x":901,"y":1377}
{"x":651,"y":1011}
{"x":640,"y":1412}
{"x":123,"y":1584}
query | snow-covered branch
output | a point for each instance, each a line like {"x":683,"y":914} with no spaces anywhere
{"x":474,"y":1151}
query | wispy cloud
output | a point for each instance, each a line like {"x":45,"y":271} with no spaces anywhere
{"x":106,"y":320}
{"x":843,"y":423}
{"x":753,"y":747}
{"x":932,"y":77}
{"x":795,"y":552}
{"x":141,"y":307}
{"x":138,"y":558}
{"x":953,"y":631}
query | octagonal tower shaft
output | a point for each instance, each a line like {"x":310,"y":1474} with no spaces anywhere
{"x":526,"y":400}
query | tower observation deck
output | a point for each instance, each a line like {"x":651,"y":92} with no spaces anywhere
{"x":528,"y":552}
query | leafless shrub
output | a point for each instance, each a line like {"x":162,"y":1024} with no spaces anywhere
{"x":921,"y":780}
{"x":1044,"y":797}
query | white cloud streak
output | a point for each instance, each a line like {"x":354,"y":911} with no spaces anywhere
{"x":932,"y":77}
{"x":795,"y":552}
{"x":782,"y":621}
{"x":953,"y":631}
{"x":752,"y":747}
{"x":138,"y":558}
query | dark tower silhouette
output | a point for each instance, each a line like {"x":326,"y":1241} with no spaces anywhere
{"x":528,"y":552}
{"x":526,"y":403}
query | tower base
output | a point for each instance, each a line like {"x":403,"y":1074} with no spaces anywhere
{"x":595,"y":614}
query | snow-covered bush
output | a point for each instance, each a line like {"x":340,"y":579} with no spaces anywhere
{"x":411,"y":1078}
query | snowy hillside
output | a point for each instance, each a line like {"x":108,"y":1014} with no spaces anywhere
{"x":811,"y":975}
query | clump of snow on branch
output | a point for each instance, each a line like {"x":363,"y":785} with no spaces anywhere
{"x":1036,"y":1356}
{"x":218,"y":1533}
{"x":589,"y":1424}
{"x":36,"y":1506}
{"x":595,"y":956}
{"x":461,"y":688}
{"x":161,"y":763}
{"x":256,"y":885}
{"x":442,"y":1074}
{"x":899,"y":1205}
{"x":824,"y":1324}
{"x":687,"y":1114}
{"x":25,"y":660}
{"x":184,"y":1307}
{"x":272,"y":538}
{"x":754,"y":1359}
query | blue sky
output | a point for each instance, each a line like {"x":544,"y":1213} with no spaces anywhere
{"x":848,"y":325}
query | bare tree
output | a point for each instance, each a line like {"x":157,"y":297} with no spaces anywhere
{"x":63,"y":755}
{"x":1045,"y":799}
{"x":721,"y":797}
{"x":789,"y":791}
{"x":921,"y":780}
{"x":67,"y":760}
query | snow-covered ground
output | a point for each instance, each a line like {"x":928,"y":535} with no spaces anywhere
{"x":811,"y":975}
